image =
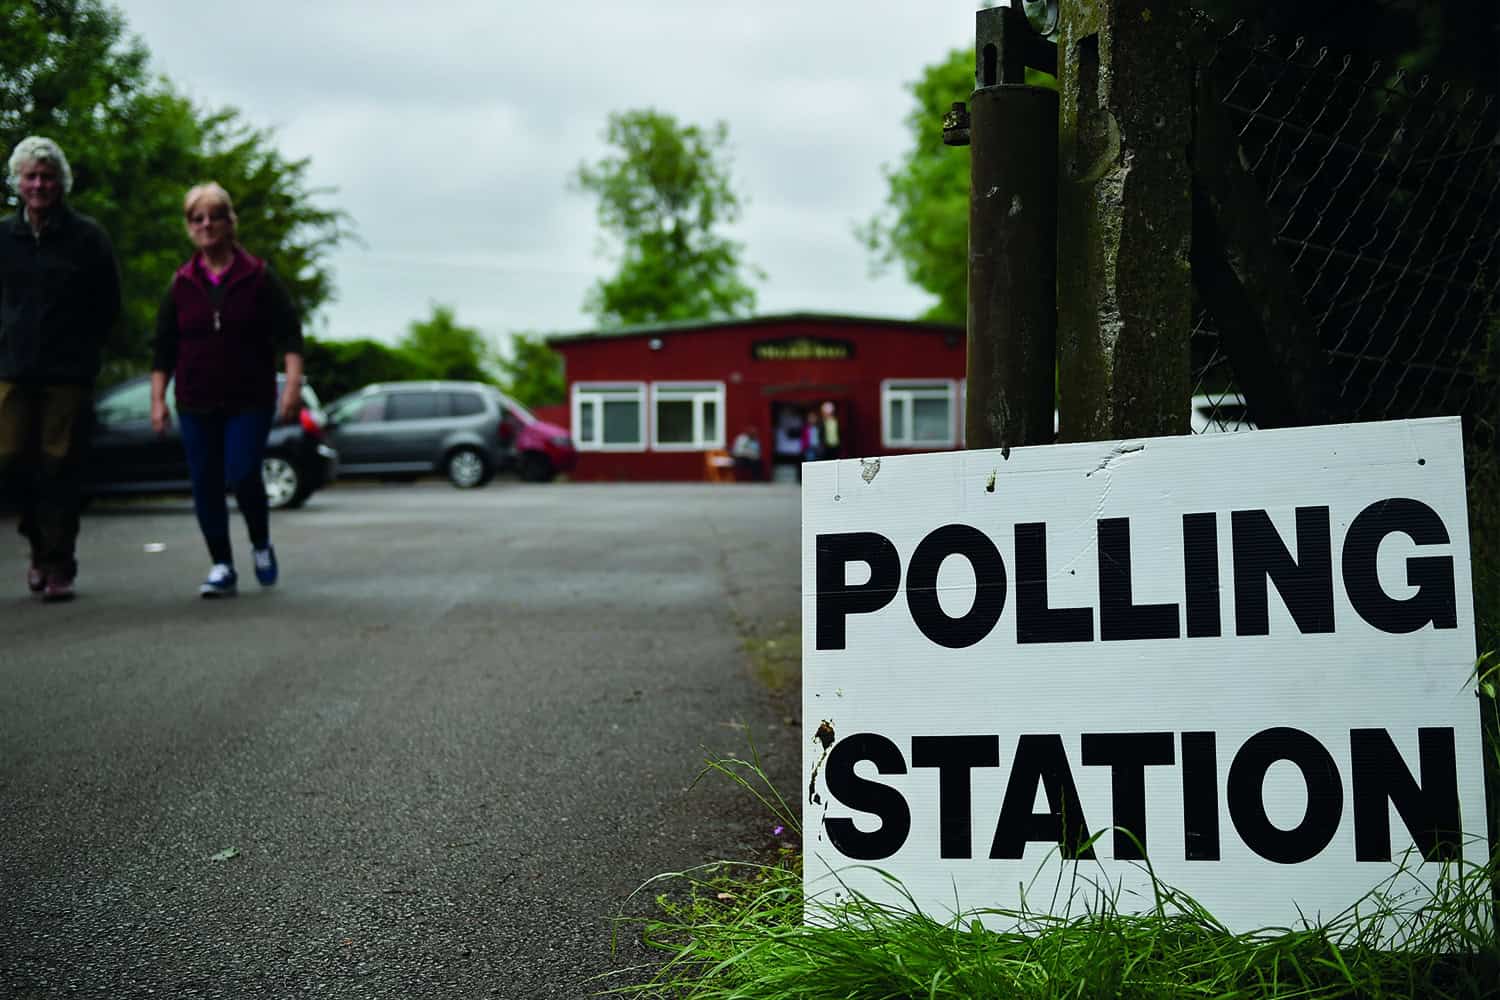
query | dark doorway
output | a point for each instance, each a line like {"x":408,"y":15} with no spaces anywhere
{"x":790,"y":442}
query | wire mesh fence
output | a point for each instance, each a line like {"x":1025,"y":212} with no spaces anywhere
{"x":1385,"y":193}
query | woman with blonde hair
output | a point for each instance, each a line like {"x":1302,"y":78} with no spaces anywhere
{"x":223,"y":321}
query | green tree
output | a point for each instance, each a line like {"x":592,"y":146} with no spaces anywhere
{"x":69,"y":71}
{"x":664,"y":197}
{"x":451,"y":350}
{"x":338,"y":367}
{"x":531,"y":372}
{"x":925,"y":223}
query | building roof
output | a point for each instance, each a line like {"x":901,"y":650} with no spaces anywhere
{"x":778,"y":319}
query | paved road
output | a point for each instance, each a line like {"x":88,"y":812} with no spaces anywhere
{"x":446,"y":749}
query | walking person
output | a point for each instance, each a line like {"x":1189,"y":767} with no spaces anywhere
{"x":59,"y":297}
{"x":224,"y":319}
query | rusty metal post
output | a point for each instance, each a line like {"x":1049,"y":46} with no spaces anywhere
{"x":1012,"y":322}
{"x":1124,"y":219}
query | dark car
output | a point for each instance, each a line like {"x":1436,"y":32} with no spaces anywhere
{"x":128,"y":457}
{"x":467,"y":431}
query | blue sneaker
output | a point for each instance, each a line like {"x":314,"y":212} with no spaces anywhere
{"x":265,"y":565}
{"x":222,"y":582}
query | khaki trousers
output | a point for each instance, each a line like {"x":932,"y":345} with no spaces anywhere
{"x":43,"y":438}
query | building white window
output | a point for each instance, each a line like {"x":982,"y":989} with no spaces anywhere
{"x":609,"y":416}
{"x":919,"y":413}
{"x":687,"y":416}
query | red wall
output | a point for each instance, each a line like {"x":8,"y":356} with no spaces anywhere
{"x":722,"y":353}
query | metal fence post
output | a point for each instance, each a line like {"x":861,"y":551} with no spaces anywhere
{"x":1124,"y":218}
{"x":1012,"y":324}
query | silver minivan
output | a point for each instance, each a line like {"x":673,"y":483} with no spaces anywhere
{"x":416,"y":428}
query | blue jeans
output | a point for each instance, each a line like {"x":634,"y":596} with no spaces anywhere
{"x":224,"y":450}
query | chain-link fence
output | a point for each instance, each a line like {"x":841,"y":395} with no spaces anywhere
{"x":1385,"y":194}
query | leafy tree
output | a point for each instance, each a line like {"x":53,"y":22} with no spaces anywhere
{"x":665,"y":197}
{"x":925,"y":223}
{"x":338,"y":367}
{"x":532,"y":372}
{"x":449,"y":349}
{"x":69,"y":71}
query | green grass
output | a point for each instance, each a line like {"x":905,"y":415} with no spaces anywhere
{"x":734,"y":931}
{"x":775,"y":654}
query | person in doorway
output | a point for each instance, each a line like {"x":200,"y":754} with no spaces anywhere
{"x":218,"y":331}
{"x":789,"y":435}
{"x":832,"y":448}
{"x":812,"y":437}
{"x":59,"y":297}
{"x":746,"y":454}
{"x":812,"y":440}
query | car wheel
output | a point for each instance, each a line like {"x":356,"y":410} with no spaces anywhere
{"x":467,"y":469}
{"x":535,"y":467}
{"x":283,"y":482}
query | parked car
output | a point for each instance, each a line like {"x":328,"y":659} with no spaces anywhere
{"x":467,"y":431}
{"x":129,"y":457}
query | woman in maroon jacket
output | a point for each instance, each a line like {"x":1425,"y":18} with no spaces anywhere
{"x":218,"y":331}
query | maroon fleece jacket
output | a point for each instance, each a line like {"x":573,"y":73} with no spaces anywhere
{"x":220,"y":342}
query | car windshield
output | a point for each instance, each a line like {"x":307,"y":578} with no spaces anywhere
{"x":516,"y":408}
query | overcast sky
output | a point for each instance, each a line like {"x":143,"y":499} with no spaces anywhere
{"x":450,"y":130}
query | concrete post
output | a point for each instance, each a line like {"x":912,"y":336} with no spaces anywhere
{"x":1124,"y":219}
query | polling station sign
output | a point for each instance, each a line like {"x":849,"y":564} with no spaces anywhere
{"x":1243,"y":657}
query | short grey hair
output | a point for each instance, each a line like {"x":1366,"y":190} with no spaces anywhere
{"x":37,"y":148}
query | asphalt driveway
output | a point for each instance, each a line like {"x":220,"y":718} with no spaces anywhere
{"x":435,"y":761}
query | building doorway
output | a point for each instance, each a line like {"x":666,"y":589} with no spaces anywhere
{"x":791,"y":442}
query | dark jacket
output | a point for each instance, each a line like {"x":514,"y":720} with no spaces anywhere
{"x":219,"y":342}
{"x":59,"y":298}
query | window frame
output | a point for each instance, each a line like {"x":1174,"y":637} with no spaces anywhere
{"x":598,"y":392}
{"x":696,"y":392}
{"x":909,"y":390}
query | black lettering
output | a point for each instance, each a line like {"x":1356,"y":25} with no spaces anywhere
{"x":1200,"y":797}
{"x":1304,"y":583}
{"x":866,"y":796}
{"x":989,"y":586}
{"x":1128,"y":755}
{"x":836,"y":599}
{"x":1119,"y":616}
{"x":1430,"y":809}
{"x":1035,"y":622}
{"x":1247,"y":808}
{"x":955,"y":757}
{"x":1434,"y":601}
{"x":1200,"y":559}
{"x":1040,"y":757}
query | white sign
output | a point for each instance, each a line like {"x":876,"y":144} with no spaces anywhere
{"x":1244,"y":657}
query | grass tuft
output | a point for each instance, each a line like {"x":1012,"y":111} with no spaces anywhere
{"x":736,"y":932}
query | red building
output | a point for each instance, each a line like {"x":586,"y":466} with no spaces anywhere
{"x":652,"y":402}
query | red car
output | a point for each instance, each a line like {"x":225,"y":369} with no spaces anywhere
{"x":541,"y":450}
